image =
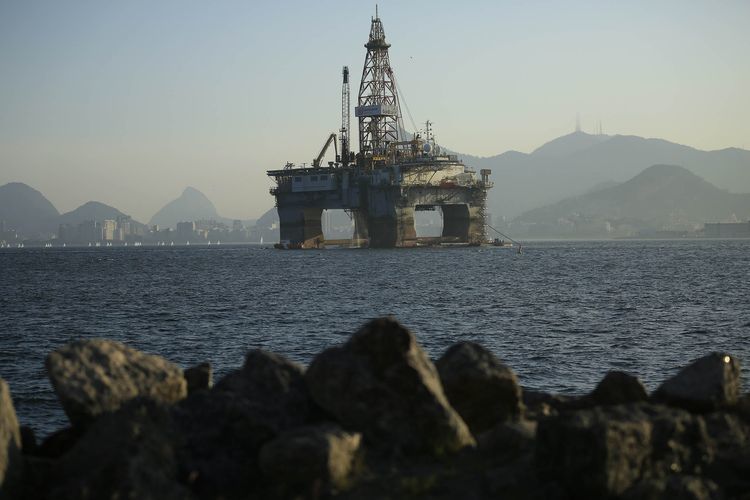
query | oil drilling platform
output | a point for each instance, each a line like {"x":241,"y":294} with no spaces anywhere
{"x":393,"y":175}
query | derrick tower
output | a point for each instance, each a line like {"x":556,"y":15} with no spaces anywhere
{"x":378,"y":109}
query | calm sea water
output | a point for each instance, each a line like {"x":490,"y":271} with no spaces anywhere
{"x":561,"y":314}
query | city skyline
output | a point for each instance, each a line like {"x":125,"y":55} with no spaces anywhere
{"x":133,"y":102}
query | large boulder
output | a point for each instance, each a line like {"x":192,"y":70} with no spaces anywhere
{"x":226,"y":426}
{"x":382,"y":384}
{"x":707,"y":383}
{"x":92,"y":377}
{"x":483,"y":390}
{"x":618,"y":388}
{"x":11,"y":461}
{"x":604,"y":451}
{"x":126,"y":454}
{"x":310,"y":459}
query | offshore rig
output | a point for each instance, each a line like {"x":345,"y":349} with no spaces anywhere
{"x":393,"y":175}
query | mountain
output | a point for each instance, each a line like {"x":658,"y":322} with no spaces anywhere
{"x":92,"y":210}
{"x":192,"y":205}
{"x":568,"y":144}
{"x":574,"y":163}
{"x":661,"y":197}
{"x":26,"y":210}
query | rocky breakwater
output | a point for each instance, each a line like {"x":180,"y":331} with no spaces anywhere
{"x":373,"y":418}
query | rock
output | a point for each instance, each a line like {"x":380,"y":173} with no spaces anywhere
{"x":275,"y":385}
{"x":538,"y":404}
{"x":11,"y":461}
{"x":509,"y":439}
{"x":482,"y":389}
{"x":126,"y":454}
{"x":225,"y":427}
{"x":37,"y":477}
{"x":706,"y":384}
{"x":59,"y":443}
{"x":198,"y":377}
{"x":731,"y":462}
{"x":604,"y":451}
{"x":382,"y":384}
{"x":619,"y":388}
{"x":28,"y":440}
{"x":593,"y":454}
{"x":677,"y":487}
{"x":311,"y":461}
{"x":91,"y":377}
{"x":743,"y":408}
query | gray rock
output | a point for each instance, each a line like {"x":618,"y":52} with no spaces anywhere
{"x":309,"y":460}
{"x":483,"y":390}
{"x":538,"y":404}
{"x":594,"y":454}
{"x":198,"y":377}
{"x":508,"y":439}
{"x":11,"y":461}
{"x":382,"y":384}
{"x":92,"y":377}
{"x":604,"y":451}
{"x":619,"y":388}
{"x":706,"y":384}
{"x":126,"y":454}
{"x":274,"y":385}
{"x":225,"y":427}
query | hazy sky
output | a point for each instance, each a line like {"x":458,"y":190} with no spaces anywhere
{"x":129,"y":102}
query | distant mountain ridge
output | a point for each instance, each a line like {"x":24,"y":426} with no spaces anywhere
{"x":572,"y":164}
{"x":659,"y":197}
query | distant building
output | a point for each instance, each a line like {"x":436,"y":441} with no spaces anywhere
{"x":727,"y":230}
{"x":109,"y":228}
{"x":185,"y":231}
{"x":89,"y":231}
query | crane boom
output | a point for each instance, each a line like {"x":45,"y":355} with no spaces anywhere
{"x":331,"y":139}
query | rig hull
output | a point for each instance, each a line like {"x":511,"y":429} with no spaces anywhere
{"x":381,"y":202}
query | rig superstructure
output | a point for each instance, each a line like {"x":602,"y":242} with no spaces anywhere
{"x":392,"y":176}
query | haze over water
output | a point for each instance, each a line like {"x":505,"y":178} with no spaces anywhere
{"x":560,"y":314}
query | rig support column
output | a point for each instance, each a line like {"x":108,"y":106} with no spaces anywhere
{"x":456,"y":221}
{"x":301,"y":226}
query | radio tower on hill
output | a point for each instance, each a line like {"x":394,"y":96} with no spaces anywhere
{"x":377,"y":108}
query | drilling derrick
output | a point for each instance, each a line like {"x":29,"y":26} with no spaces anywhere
{"x":393,"y":176}
{"x":345,"y":105}
{"x":377,"y":108}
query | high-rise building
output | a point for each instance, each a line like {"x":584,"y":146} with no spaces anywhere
{"x":108,"y":229}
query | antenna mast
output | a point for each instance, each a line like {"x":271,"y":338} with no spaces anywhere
{"x":378,"y":108}
{"x":345,"y":106}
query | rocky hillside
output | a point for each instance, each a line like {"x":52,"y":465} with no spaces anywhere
{"x":374,"y":418}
